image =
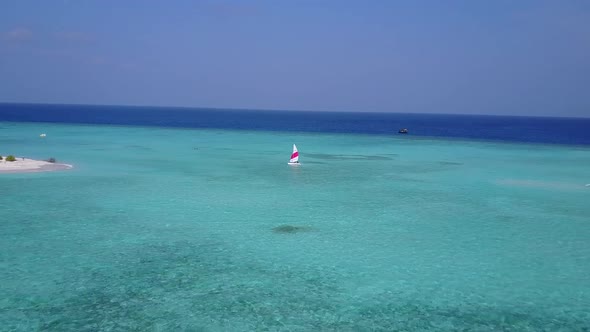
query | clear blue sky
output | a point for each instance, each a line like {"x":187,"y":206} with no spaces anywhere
{"x":482,"y":57}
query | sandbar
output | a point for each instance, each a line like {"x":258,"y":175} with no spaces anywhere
{"x":25,"y":165}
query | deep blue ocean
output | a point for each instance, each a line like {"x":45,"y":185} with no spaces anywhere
{"x":552,"y":130}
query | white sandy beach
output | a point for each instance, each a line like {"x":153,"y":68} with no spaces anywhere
{"x":29,"y":165}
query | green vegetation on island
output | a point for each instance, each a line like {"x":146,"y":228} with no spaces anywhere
{"x":10,"y":158}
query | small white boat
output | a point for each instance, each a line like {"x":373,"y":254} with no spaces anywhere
{"x":42,"y":135}
{"x":294,"y":156}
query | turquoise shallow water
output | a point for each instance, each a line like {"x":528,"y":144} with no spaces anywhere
{"x":169,"y":229}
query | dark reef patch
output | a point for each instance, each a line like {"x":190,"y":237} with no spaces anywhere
{"x":289,"y":229}
{"x":326,"y":156}
{"x":138,"y":147}
{"x":450,"y":163}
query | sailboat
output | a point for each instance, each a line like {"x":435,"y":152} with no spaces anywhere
{"x":294,"y":156}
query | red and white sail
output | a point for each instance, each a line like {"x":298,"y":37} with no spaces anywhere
{"x":294,"y":155}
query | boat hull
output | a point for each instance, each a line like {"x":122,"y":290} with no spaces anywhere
{"x":294,"y":164}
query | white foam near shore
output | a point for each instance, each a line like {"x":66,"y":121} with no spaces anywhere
{"x":25,"y":165}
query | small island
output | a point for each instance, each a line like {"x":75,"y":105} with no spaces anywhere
{"x":12,"y":164}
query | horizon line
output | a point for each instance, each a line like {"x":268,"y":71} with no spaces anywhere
{"x":290,"y":110}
